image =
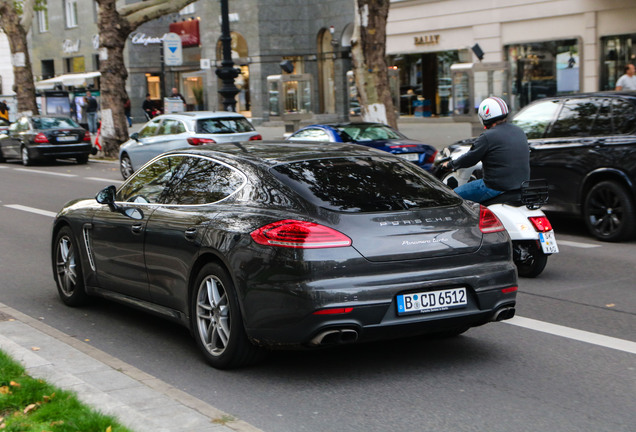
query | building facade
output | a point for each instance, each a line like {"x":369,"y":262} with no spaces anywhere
{"x":312,"y":35}
{"x":548,"y":47}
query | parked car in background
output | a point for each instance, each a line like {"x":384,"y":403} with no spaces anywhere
{"x":375,"y":135}
{"x":584,"y":145}
{"x":172,"y":131}
{"x":32,"y":138}
{"x":287,"y":245}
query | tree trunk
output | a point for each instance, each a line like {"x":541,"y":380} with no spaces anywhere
{"x":23,"y":74}
{"x":113,"y":32}
{"x":368,"y":49}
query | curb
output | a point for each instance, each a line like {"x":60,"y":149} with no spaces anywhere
{"x":20,"y":336}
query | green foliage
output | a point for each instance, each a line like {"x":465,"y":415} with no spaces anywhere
{"x":32,"y":405}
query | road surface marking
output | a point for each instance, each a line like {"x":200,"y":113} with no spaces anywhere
{"x":31,"y":210}
{"x":577,"y":244}
{"x":45,"y":172}
{"x":110,"y":181}
{"x":570,"y":333}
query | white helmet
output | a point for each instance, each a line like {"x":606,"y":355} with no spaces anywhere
{"x":492,"y":109}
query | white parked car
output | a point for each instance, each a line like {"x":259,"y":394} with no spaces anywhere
{"x":179,"y":130}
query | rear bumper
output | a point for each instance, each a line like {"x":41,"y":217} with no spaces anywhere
{"x":60,"y":150}
{"x":280,"y":313}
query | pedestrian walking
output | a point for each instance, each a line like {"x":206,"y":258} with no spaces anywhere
{"x":91,"y":112}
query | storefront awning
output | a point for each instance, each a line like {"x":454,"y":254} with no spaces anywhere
{"x":75,"y":80}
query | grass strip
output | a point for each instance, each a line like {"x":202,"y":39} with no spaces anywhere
{"x":32,"y":405}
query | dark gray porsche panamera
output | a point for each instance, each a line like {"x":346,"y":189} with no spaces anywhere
{"x":287,"y":245}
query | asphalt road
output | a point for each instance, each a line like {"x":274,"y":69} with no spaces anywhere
{"x":568,"y":364}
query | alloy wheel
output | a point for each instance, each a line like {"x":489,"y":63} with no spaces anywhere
{"x":66,"y":266}
{"x":213,"y":315}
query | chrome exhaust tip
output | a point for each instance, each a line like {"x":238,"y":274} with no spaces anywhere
{"x":334,"y":337}
{"x":504,"y":314}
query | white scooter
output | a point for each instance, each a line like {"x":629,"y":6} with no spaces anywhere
{"x":519,"y":211}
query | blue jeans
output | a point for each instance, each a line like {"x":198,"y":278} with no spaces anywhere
{"x":476,"y":191}
{"x":92,"y":121}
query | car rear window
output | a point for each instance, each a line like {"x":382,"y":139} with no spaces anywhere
{"x":364,"y":184}
{"x":54,"y":123}
{"x":223,"y":125}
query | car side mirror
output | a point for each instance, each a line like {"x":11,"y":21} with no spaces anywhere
{"x":135,"y":136}
{"x":107,"y":196}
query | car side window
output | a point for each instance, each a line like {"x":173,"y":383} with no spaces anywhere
{"x":148,"y":184}
{"x":602,"y":124}
{"x":166,"y":127}
{"x":311,"y":135}
{"x":535,"y":119}
{"x":201,"y":180}
{"x":149,"y":129}
{"x":575,"y":118}
{"x":624,"y":115}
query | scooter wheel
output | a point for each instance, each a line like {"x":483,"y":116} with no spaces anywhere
{"x":529,"y":258}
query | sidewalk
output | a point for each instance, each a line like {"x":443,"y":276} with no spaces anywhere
{"x":139,"y":401}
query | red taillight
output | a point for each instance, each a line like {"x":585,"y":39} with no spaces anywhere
{"x":403,"y":146}
{"x":299,"y":234}
{"x":40,"y":138}
{"x":333,"y":311}
{"x":256,"y":138}
{"x":488,"y":221}
{"x":509,"y":290}
{"x":200,"y":141}
{"x":87,"y":136}
{"x":541,"y":223}
{"x":431,"y":158}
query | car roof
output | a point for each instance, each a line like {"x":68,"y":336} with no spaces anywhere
{"x":270,"y":153}
{"x":343,"y":124}
{"x":196,"y":115}
{"x":607,"y":93}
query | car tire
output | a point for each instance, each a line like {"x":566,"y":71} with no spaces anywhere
{"x":125,"y":166}
{"x":25,"y":155}
{"x":67,"y":268}
{"x":82,"y":160}
{"x":2,"y":158}
{"x":609,"y":213}
{"x":529,"y":258}
{"x":217,"y":324}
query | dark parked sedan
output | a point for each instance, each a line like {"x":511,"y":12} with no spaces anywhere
{"x":45,"y":137}
{"x":584,"y":145}
{"x":287,"y":245}
{"x":374,"y":135}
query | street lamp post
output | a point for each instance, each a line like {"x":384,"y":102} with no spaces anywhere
{"x":227,"y":72}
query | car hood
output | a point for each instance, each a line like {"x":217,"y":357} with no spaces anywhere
{"x":416,"y":234}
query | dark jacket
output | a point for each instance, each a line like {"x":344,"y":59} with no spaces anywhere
{"x":505,"y":156}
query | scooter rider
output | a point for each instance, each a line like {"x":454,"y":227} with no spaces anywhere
{"x":503,"y":150}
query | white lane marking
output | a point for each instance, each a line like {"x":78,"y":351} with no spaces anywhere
{"x":577,"y":244}
{"x":570,"y":333}
{"x":111,"y":181}
{"x":45,"y":172}
{"x":31,"y":210}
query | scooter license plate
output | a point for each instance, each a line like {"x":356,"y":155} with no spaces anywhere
{"x":548,"y":242}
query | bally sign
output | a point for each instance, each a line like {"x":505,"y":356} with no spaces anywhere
{"x":427,"y":40}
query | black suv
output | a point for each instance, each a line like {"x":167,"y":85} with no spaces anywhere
{"x":584,"y":145}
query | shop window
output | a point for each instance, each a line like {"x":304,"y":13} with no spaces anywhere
{"x":74,"y":64}
{"x":240,"y":57}
{"x":617,"y":52}
{"x":153,"y":84}
{"x":48,"y":69}
{"x":543,"y":69}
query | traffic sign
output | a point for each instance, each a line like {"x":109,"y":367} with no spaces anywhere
{"x":172,"y":50}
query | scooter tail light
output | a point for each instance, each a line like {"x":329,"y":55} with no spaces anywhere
{"x":299,"y":234}
{"x":40,"y":138}
{"x":488,"y":221}
{"x":541,"y":223}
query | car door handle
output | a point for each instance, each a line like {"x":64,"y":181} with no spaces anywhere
{"x":191,"y":233}
{"x":137,"y":228}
